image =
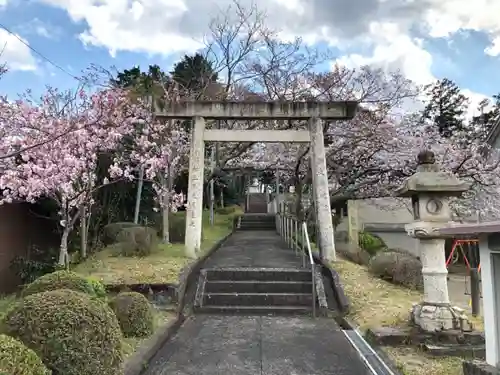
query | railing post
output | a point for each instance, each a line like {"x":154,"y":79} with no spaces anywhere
{"x":303,"y":244}
{"x":286,"y":228}
{"x":296,"y":238}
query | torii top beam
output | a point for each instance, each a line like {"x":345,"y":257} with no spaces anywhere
{"x":250,"y":110}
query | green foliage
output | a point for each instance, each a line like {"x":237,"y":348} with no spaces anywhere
{"x":60,"y":280}
{"x":134,"y":313}
{"x":37,"y":263}
{"x":98,"y":286}
{"x":446,"y":107}
{"x":72,"y":333}
{"x":177,"y":227}
{"x":17,"y":359}
{"x":227,"y":210}
{"x":371,"y":243}
{"x":112,"y":231}
{"x":397,"y":267}
{"x":136,"y":241}
{"x":194,"y":73}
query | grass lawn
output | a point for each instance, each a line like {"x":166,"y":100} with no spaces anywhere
{"x":375,"y":302}
{"x":163,"y":266}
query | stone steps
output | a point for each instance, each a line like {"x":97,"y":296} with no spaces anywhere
{"x":257,"y":286}
{"x":254,"y":291}
{"x":258,"y":222}
{"x":255,"y":310}
{"x":258,"y":274}
{"x":258,"y":299}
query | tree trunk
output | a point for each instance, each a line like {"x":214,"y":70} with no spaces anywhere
{"x":83,"y":232}
{"x":138,"y":195}
{"x":63,"y":248}
{"x":166,"y":187}
{"x":298,"y":201}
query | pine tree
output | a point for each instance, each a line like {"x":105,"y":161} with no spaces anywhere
{"x":484,"y":122}
{"x":194,"y":74}
{"x":447,"y":107}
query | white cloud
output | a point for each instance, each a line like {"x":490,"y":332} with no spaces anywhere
{"x":443,"y":18}
{"x":394,"y":51}
{"x":15,"y":54}
{"x":172,"y":26}
{"x":40,"y":28}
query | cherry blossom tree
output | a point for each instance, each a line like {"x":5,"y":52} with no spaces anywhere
{"x":51,"y":149}
{"x":160,"y":149}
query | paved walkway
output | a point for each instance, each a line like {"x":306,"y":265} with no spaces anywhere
{"x":257,"y":345}
{"x":254,"y":249}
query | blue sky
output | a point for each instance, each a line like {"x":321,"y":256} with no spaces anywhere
{"x":125,"y":33}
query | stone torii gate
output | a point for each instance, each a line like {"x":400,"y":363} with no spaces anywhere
{"x":313,"y":112}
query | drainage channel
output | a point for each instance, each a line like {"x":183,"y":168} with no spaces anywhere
{"x":368,"y":355}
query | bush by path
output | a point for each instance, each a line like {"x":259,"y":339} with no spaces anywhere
{"x":72,"y":333}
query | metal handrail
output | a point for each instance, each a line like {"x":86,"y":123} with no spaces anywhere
{"x":289,"y":229}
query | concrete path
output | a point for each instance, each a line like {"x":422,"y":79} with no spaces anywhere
{"x":235,"y":345}
{"x":257,"y":345}
{"x":254,"y":249}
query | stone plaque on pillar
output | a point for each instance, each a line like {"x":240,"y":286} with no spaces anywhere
{"x":353,"y":223}
{"x":430,"y":189}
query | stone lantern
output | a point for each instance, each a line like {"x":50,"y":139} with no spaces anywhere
{"x":430,"y":190}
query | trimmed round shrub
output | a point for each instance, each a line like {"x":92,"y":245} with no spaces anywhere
{"x":60,"y":280}
{"x":17,"y":359}
{"x":397,"y":267}
{"x":112,"y":230}
{"x":71,"y":332}
{"x":408,"y":272}
{"x":137,"y":241}
{"x":134,"y":313}
{"x":358,"y":256}
{"x":371,"y":243}
{"x":382,"y":265}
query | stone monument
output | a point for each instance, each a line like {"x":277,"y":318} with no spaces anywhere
{"x":430,"y":190}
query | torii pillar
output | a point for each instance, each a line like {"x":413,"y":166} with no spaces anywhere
{"x":321,"y":191}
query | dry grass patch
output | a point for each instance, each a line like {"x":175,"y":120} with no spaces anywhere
{"x":376,"y":303}
{"x":412,"y":361}
{"x":162,"y":266}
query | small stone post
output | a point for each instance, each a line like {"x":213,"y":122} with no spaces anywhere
{"x":321,"y":191}
{"x":430,"y":190}
{"x":353,"y":224}
{"x":194,"y":209}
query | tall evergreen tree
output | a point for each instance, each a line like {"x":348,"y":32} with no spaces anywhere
{"x":194,"y":74}
{"x":489,"y":115}
{"x":447,"y":107}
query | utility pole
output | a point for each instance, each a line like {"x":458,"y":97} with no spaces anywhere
{"x":475,"y":287}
